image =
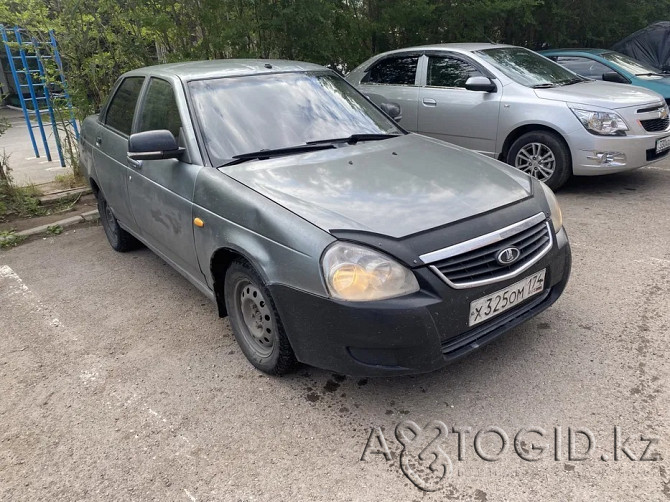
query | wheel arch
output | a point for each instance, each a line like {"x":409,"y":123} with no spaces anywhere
{"x":219,"y":263}
{"x":526,"y":128}
{"x":95,"y":188}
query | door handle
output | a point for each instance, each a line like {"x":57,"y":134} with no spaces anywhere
{"x":429,"y":102}
{"x":98,"y":141}
{"x":136,"y":164}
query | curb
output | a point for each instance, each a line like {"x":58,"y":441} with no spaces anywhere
{"x":62,"y":194}
{"x":87,"y":217}
{"x":67,"y":222}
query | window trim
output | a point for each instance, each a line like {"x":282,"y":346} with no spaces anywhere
{"x":396,"y":55}
{"x":111,"y":100}
{"x":143,"y":97}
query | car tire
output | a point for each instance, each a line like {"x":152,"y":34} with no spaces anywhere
{"x":255,"y":321}
{"x":118,"y":238}
{"x":544,"y":155}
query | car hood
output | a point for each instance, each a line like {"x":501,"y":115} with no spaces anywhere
{"x":601,"y":94}
{"x":659,"y":85}
{"x":393,"y":187}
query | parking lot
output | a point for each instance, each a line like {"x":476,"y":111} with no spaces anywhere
{"x":119,"y":382}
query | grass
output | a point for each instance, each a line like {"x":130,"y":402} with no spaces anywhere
{"x":54,"y":230}
{"x":70,"y":180}
{"x":10,"y":239}
{"x":19,"y":202}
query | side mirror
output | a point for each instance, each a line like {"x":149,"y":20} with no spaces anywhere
{"x":483,"y":84}
{"x":153,"y":145}
{"x":612,"y":76}
{"x":393,"y":110}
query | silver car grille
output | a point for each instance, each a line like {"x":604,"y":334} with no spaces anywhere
{"x":475,"y":262}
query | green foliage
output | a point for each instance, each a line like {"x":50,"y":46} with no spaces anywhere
{"x":54,"y":230}
{"x":16,"y":201}
{"x":10,"y":239}
{"x":101,"y":39}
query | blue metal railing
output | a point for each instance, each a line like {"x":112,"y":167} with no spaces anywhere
{"x":34,"y":80}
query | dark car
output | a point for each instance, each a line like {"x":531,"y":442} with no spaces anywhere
{"x":327,"y":233}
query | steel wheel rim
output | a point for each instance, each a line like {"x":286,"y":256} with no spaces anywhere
{"x":536,"y":159}
{"x":257,"y":321}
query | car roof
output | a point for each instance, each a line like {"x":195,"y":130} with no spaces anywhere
{"x":217,"y":68}
{"x":467,"y":47}
{"x":595,"y":52}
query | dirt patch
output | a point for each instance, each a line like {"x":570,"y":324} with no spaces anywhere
{"x":83,"y":204}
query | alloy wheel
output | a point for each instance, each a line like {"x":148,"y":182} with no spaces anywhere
{"x":536,"y":159}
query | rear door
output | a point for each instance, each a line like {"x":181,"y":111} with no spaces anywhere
{"x":161,"y":191}
{"x":111,"y":148}
{"x":394,"y":80}
{"x":448,"y":111}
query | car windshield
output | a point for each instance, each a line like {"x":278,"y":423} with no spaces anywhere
{"x":239,"y":115}
{"x":528,"y":68}
{"x":630,"y":65}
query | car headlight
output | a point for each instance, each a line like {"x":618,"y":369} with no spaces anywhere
{"x":603,"y":123}
{"x":554,"y":208}
{"x":356,"y":273}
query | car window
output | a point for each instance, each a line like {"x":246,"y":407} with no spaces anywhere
{"x":122,"y":107}
{"x":583,"y":66}
{"x":393,"y":71}
{"x":159,"y":108}
{"x":631,"y":65}
{"x":449,"y":72}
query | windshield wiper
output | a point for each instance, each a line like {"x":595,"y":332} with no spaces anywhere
{"x":650,"y":74}
{"x":354,"y":138}
{"x":571,"y":81}
{"x":546,"y":85}
{"x":276,"y":152}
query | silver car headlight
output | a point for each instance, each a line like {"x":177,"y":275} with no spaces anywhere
{"x":356,"y":273}
{"x":554,"y":208}
{"x":603,"y":123}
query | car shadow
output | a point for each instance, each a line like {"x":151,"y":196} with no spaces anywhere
{"x":640,"y":180}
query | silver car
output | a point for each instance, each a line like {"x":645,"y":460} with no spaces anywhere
{"x":519,"y":107}
{"x":322,"y":229}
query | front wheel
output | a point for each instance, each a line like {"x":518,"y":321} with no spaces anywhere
{"x":255,"y":320}
{"x":544,"y":155}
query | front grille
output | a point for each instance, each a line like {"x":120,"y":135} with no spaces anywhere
{"x":480,"y":265}
{"x":655,"y":125}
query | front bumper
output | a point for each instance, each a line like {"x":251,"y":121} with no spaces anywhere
{"x":635,"y":151}
{"x":417,"y":333}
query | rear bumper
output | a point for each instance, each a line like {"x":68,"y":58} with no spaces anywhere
{"x":589,"y":152}
{"x":417,"y":333}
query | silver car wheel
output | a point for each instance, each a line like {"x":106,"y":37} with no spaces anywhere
{"x":259,"y":328}
{"x":536,"y":159}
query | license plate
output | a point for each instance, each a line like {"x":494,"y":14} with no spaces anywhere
{"x":662,"y":144}
{"x":490,"y":306}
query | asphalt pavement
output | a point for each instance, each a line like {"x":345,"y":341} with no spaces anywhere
{"x":119,"y":382}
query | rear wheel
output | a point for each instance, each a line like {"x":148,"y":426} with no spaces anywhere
{"x":544,"y":155}
{"x":118,"y":238}
{"x":255,"y":320}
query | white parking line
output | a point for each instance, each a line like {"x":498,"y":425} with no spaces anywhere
{"x":16,"y":286}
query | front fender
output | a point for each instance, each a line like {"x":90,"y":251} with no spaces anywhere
{"x":284,"y":248}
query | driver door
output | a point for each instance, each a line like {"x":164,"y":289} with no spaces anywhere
{"x":160,"y":192}
{"x":450,"y":112}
